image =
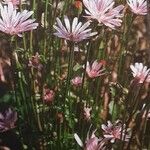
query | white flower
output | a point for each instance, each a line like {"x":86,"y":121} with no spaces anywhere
{"x":140,"y":72}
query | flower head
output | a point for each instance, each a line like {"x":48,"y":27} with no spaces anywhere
{"x":7,"y":119}
{"x":103,"y":12}
{"x":48,"y":95}
{"x":138,"y":7}
{"x":95,"y":70}
{"x":140,"y":72}
{"x":115,"y":131}
{"x":14,"y":2}
{"x":15,"y":23}
{"x":87,"y":113}
{"x":91,"y":143}
{"x":77,"y":81}
{"x":75,"y":32}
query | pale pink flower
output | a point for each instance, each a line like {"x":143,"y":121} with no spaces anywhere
{"x":140,"y":72}
{"x":138,"y":7}
{"x":87,"y":112}
{"x":91,"y":143}
{"x":103,"y":12}
{"x":48,"y":95}
{"x":95,"y":70}
{"x":8,"y":119}
{"x":75,"y":32}
{"x":14,"y":2}
{"x":115,"y":131}
{"x":15,"y":23}
{"x":77,"y":81}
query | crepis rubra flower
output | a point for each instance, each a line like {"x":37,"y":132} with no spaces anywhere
{"x":96,"y":69}
{"x":103,"y":12}
{"x":87,"y":112}
{"x":15,"y":23}
{"x":115,"y":131}
{"x":138,"y":7}
{"x":48,"y":95}
{"x":14,"y":2}
{"x":140,"y":72}
{"x":77,"y":81}
{"x":8,"y":119}
{"x":75,"y":32}
{"x":91,"y":143}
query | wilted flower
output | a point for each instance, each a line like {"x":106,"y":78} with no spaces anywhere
{"x":48,"y":95}
{"x":140,"y":72}
{"x":15,"y":23}
{"x":34,"y":62}
{"x":77,"y":81}
{"x":87,"y":113}
{"x":138,"y":7}
{"x":96,"y":69}
{"x":91,"y":143}
{"x":75,"y":32}
{"x":115,"y":131}
{"x":60,"y":117}
{"x":7,"y":119}
{"x":103,"y":12}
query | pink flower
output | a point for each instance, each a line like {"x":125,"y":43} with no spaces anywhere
{"x":48,"y":95}
{"x":87,"y":113}
{"x":114,"y":131}
{"x":75,"y":32}
{"x":14,"y":2}
{"x":91,"y":143}
{"x":15,"y":23}
{"x":103,"y":12}
{"x":138,"y":7}
{"x":140,"y":72}
{"x":77,"y":81}
{"x":95,"y":70}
